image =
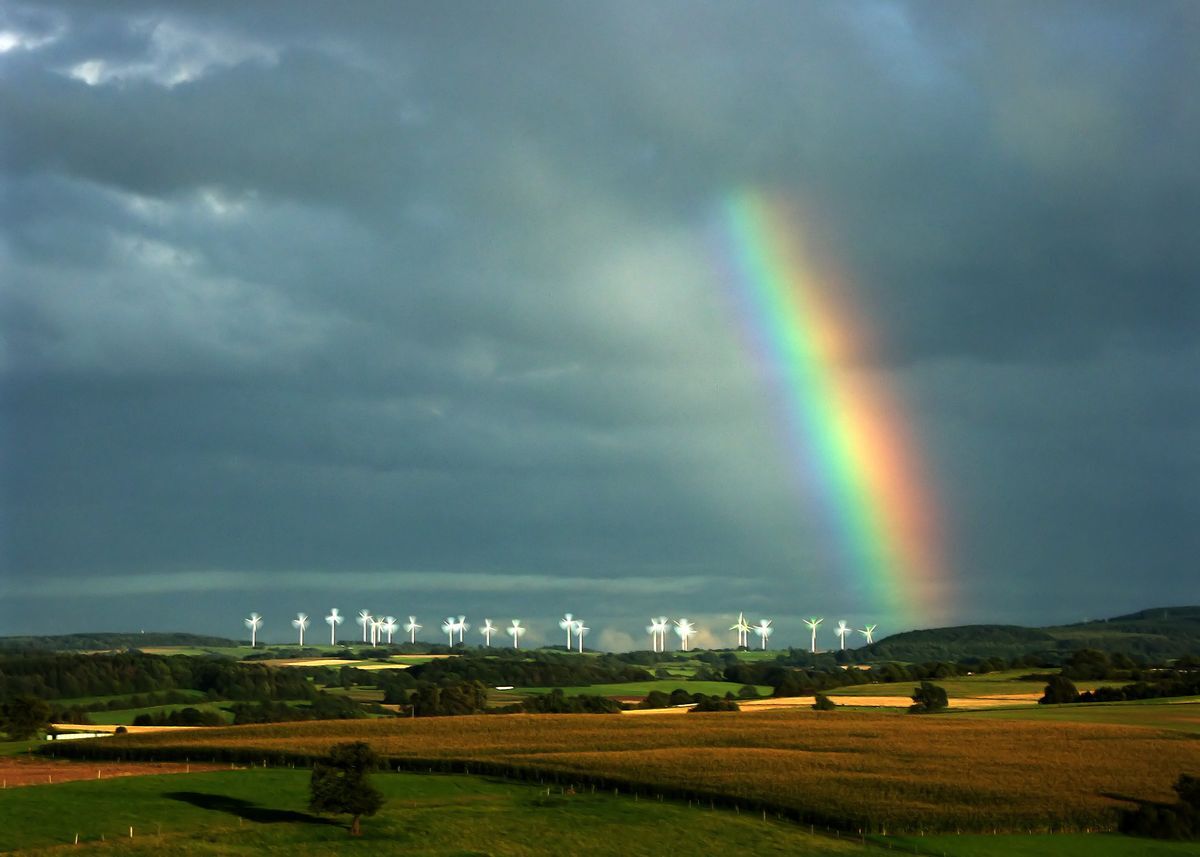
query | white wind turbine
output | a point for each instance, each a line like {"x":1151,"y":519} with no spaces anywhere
{"x":743,"y":630}
{"x":842,"y":630}
{"x":684,"y":629}
{"x":334,"y":619}
{"x":652,"y":630}
{"x":763,"y":629}
{"x":487,"y":630}
{"x":375,"y":623}
{"x":364,"y":619}
{"x":869,"y":633}
{"x":449,"y":627}
{"x":516,"y":632}
{"x":253,"y":623}
{"x":662,"y":622}
{"x":580,"y":632}
{"x":812,"y":623}
{"x":412,"y":627}
{"x":462,"y":625}
{"x":567,"y":623}
{"x":389,"y":627}
{"x":301,"y":622}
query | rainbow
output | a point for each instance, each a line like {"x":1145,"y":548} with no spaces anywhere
{"x":848,"y":434}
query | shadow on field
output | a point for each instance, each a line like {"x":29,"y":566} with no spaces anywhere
{"x":245,"y":809}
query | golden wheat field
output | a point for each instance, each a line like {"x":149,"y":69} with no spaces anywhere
{"x":878,"y":771}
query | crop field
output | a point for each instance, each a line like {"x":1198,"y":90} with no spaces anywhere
{"x":1178,"y":714}
{"x":641,"y":688}
{"x":254,"y":812}
{"x":965,"y":687}
{"x":880,"y":772}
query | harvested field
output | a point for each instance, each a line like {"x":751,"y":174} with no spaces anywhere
{"x":23,"y":771}
{"x":855,"y":769}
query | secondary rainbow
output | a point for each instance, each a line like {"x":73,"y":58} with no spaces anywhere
{"x":849,"y":436}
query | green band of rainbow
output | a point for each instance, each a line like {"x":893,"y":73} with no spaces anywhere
{"x":850,"y":437}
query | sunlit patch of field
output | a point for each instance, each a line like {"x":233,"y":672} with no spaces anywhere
{"x":876,"y":770}
{"x":1182,"y":715}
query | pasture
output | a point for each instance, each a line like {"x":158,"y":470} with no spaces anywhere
{"x":260,"y":811}
{"x":876,"y":771}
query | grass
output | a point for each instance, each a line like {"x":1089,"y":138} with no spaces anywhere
{"x":891,"y":772}
{"x":265,"y":811}
{"x":963,"y":687}
{"x":1039,"y":845}
{"x":1175,"y":715}
{"x":125,"y":716}
{"x":641,"y":688}
{"x":17,"y":748}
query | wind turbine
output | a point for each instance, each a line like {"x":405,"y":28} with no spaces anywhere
{"x":364,"y":619}
{"x":412,"y":627}
{"x":389,"y":626}
{"x":684,"y":629}
{"x":652,"y":630}
{"x":334,"y":619}
{"x":580,"y":631}
{"x":301,"y":622}
{"x":842,"y":631}
{"x":487,"y":630}
{"x":812,"y":623}
{"x":869,"y":633}
{"x":449,"y":627}
{"x":375,"y":623}
{"x":462,"y":626}
{"x":743,"y":629}
{"x":253,"y":623}
{"x":662,"y":622}
{"x":516,"y":631}
{"x":764,"y":630}
{"x":567,"y":623}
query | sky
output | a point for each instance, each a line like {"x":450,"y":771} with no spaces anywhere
{"x":435,"y":309}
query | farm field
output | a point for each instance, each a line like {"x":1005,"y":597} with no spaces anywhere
{"x":641,"y":688}
{"x":1041,"y":845}
{"x":880,"y":771}
{"x":1176,"y":714}
{"x":265,"y":811}
{"x":999,"y":684}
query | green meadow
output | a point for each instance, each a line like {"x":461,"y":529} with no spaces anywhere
{"x":1180,"y":714}
{"x":265,"y":811}
{"x":641,"y":688}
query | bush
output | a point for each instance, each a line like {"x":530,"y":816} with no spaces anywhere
{"x":824,"y":703}
{"x":1059,"y":690}
{"x":928,"y":698}
{"x":714,"y":703}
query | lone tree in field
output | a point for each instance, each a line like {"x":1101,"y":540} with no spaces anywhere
{"x":928,"y":698}
{"x":1059,"y":690}
{"x":341,"y":783}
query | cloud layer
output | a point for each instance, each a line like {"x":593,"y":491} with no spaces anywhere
{"x":328,"y":306}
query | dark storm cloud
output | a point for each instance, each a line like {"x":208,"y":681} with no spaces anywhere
{"x":382,"y":293}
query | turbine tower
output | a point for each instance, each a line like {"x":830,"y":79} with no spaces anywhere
{"x":869,"y":633}
{"x":364,"y":619}
{"x":462,"y":625}
{"x":567,"y":623}
{"x":842,"y":630}
{"x":389,"y":627}
{"x":812,"y":623}
{"x":253,"y":623}
{"x":743,"y":629}
{"x":412,"y":627}
{"x":684,"y":629}
{"x":301,"y":622}
{"x":449,"y":627}
{"x":334,"y":619}
{"x":487,"y":630}
{"x":375,"y":623}
{"x":516,"y":632}
{"x":764,"y":630}
{"x":652,"y":629}
{"x":581,"y":631}
{"x":662,"y":622}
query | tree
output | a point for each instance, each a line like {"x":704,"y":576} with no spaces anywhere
{"x":22,"y":717}
{"x":1059,"y":689}
{"x":341,"y":783}
{"x":928,"y":698}
{"x":823,"y":703}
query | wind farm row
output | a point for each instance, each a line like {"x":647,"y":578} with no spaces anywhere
{"x":381,"y":629}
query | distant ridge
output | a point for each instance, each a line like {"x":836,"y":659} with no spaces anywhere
{"x":104,"y":641}
{"x":1160,"y":632}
